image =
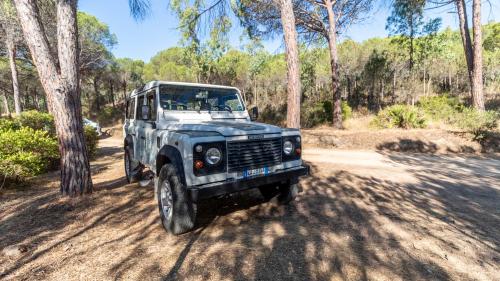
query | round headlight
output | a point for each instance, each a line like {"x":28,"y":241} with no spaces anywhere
{"x":287,"y":147}
{"x":213,"y":156}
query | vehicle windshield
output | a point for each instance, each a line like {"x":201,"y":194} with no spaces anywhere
{"x":198,"y":99}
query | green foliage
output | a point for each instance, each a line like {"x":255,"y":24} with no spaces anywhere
{"x":26,"y":152}
{"x":346,"y":111}
{"x":91,"y":140}
{"x":28,"y":145}
{"x":8,"y":124}
{"x":37,"y":120}
{"x":476,"y":122}
{"x":441,"y":107}
{"x":109,"y":115}
{"x":400,"y":116}
{"x":322,"y":113}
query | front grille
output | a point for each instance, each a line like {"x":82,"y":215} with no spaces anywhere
{"x":253,"y":154}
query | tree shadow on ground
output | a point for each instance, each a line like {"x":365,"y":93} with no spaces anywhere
{"x":342,"y":226}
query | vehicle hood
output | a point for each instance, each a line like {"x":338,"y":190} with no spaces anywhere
{"x":226,"y":128}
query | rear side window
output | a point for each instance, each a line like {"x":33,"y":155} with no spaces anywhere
{"x":151,"y":102}
{"x":140,"y":103}
{"x":131,"y":108}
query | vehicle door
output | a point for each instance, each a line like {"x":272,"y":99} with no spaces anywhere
{"x":149,"y":127}
{"x":140,"y":137}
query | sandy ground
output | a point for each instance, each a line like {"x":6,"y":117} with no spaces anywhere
{"x":362,"y":215}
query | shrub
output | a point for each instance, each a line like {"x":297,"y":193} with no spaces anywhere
{"x":441,"y":107}
{"x":322,"y":112}
{"x":346,"y":111}
{"x":313,"y":115}
{"x":37,"y":121}
{"x":91,"y":140}
{"x":8,"y":124}
{"x":110,"y":115}
{"x":26,"y":152}
{"x":477,"y":122}
{"x":400,"y":116}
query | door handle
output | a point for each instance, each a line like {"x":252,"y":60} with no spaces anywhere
{"x":143,"y":137}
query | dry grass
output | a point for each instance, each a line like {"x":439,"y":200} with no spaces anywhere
{"x":407,"y":217}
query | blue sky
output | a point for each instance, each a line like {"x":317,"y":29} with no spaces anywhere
{"x":142,"y":40}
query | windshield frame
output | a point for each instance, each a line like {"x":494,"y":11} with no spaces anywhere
{"x":201,"y":88}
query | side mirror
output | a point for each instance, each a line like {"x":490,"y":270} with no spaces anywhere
{"x":145,"y":112}
{"x":254,"y":113}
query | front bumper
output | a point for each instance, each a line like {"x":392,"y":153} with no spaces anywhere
{"x":221,"y":188}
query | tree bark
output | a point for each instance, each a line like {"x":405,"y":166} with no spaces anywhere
{"x":477,"y":69}
{"x":332,"y":44}
{"x":112,"y":92}
{"x":61,"y":84}
{"x":96,"y":92}
{"x":292,"y":61}
{"x":465,"y":34}
{"x":11,"y":50}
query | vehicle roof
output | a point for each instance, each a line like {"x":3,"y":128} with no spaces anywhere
{"x":153,"y":84}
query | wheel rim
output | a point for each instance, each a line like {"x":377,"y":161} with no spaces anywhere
{"x":166,"y":200}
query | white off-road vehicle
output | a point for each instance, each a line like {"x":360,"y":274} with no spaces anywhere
{"x":198,"y":142}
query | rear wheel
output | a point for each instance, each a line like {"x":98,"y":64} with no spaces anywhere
{"x":133,"y":170}
{"x":177,"y":211}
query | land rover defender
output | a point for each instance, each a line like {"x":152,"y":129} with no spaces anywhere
{"x":198,"y":141}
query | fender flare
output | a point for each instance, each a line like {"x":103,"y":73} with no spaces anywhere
{"x":169,"y":154}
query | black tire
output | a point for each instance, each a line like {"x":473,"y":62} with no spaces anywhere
{"x":268,"y":191}
{"x":180,"y":216}
{"x":133,"y":172}
{"x":287,"y":193}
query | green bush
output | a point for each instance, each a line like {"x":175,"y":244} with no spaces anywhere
{"x":37,"y":121}
{"x":91,"y":140}
{"x":321,"y":113}
{"x":110,"y":115}
{"x":400,"y":116}
{"x":26,"y":152}
{"x":346,"y":111}
{"x":476,"y":122}
{"x":28,"y":145}
{"x":442,"y":108}
{"x":9,"y":124}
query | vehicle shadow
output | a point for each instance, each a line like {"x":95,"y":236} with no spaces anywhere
{"x":342,"y":226}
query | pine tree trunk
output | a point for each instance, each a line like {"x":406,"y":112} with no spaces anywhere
{"x":61,"y":85}
{"x":292,"y":62}
{"x":112,"y":92}
{"x":11,"y":50}
{"x":96,"y":92}
{"x":332,"y":44}
{"x":465,"y":34}
{"x":124,"y":88}
{"x":477,"y":69}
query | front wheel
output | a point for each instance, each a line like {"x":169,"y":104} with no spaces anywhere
{"x":177,"y":211}
{"x":287,"y":193}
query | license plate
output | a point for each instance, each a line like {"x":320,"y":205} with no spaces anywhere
{"x":255,"y":172}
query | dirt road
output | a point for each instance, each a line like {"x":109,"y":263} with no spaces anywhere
{"x":362,"y":215}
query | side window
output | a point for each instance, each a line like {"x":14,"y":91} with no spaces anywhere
{"x":130,"y":108}
{"x":140,"y":103}
{"x":151,"y":102}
